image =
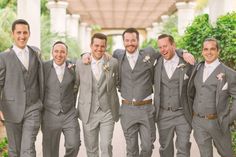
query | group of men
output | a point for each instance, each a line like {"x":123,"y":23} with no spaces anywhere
{"x":186,"y":96}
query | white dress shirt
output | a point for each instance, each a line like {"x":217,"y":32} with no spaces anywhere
{"x":209,"y":68}
{"x":96,"y":66}
{"x":22,"y":55}
{"x":60,"y":70}
{"x":132,"y":58}
{"x":170,"y":65}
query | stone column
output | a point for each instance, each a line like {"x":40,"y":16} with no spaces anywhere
{"x":88,"y":38}
{"x":220,"y":7}
{"x":58,"y":16}
{"x":157,"y":29}
{"x":185,"y":14}
{"x":30,"y":11}
{"x":72,"y":25}
{"x":149,"y":33}
{"x":82,"y":34}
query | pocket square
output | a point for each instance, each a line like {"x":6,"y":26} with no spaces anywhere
{"x":113,"y":74}
{"x":186,"y":77}
{"x":225,"y":87}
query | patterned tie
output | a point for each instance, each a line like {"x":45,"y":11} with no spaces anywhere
{"x":60,"y":74}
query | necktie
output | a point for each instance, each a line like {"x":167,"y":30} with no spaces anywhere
{"x":24,"y":59}
{"x":206,"y":73}
{"x":60,"y":74}
{"x":97,"y":70}
{"x":132,"y":62}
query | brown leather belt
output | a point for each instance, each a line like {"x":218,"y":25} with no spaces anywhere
{"x":137,"y":103}
{"x":208,"y":116}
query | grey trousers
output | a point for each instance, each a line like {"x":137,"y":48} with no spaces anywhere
{"x":208,"y":132}
{"x":138,"y":121}
{"x":169,"y":124}
{"x":22,"y":136}
{"x":100,"y":124}
{"x":52,"y":127}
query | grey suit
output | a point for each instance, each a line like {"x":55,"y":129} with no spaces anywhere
{"x":98,"y":106}
{"x":137,"y":84}
{"x":59,"y":113}
{"x":213,"y":97}
{"x":21,"y":94}
{"x":172,"y":113}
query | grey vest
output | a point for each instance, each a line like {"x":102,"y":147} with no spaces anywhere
{"x":137,"y":83}
{"x":31,"y":80}
{"x":59,"y":97}
{"x":170,"y":90}
{"x":205,"y":98}
{"x":99,"y":94}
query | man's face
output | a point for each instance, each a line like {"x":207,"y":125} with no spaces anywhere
{"x":166,"y":49}
{"x":210,"y":51}
{"x":59,"y":54}
{"x":21,"y":35}
{"x":98,"y":48}
{"x":130,"y":42}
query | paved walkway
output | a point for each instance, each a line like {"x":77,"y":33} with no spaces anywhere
{"x":118,"y":145}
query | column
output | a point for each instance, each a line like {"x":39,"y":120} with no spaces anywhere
{"x":72,"y":25}
{"x":30,"y":11}
{"x":157,"y":29}
{"x":149,"y":33}
{"x":185,"y":14}
{"x":220,"y":7}
{"x":88,"y":38}
{"x":82,"y":34}
{"x":58,"y":16}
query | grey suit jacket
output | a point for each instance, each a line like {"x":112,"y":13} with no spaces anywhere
{"x":84,"y":80}
{"x":12,"y":86}
{"x":226,"y":113}
{"x":184,"y":76}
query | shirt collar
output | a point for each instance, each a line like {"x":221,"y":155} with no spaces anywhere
{"x":59,"y":66}
{"x":135,"y":54}
{"x":213,"y":64}
{"x":18,"y":50}
{"x":94,"y":61}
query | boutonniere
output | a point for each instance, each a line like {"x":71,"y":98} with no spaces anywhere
{"x":146,"y":59}
{"x":71,"y":66}
{"x":220,"y":76}
{"x":106,"y":67}
{"x":181,"y":65}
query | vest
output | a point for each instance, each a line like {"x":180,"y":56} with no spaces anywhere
{"x":205,"y":98}
{"x":137,"y":83}
{"x":59,"y":97}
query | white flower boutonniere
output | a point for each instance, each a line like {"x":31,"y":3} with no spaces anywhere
{"x":181,"y":65}
{"x":71,"y":66}
{"x":146,"y":59}
{"x":106,"y":67}
{"x":220,"y":76}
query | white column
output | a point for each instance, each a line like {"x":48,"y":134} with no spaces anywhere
{"x":58,"y":16}
{"x":72,"y":25}
{"x":186,"y":14}
{"x":88,"y":38}
{"x":220,"y":7}
{"x":30,"y":11}
{"x":157,"y":29}
{"x":82,"y":34}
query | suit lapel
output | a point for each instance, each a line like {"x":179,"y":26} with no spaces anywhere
{"x":182,"y":72}
{"x":159,"y":68}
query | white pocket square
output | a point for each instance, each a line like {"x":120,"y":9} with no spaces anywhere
{"x":186,"y":77}
{"x":225,"y":87}
{"x":113,"y":74}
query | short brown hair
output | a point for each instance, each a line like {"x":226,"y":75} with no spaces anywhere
{"x":19,"y":21}
{"x":99,"y":36}
{"x":171,"y":38}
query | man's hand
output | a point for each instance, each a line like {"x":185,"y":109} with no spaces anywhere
{"x":86,"y":58}
{"x":188,"y":57}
